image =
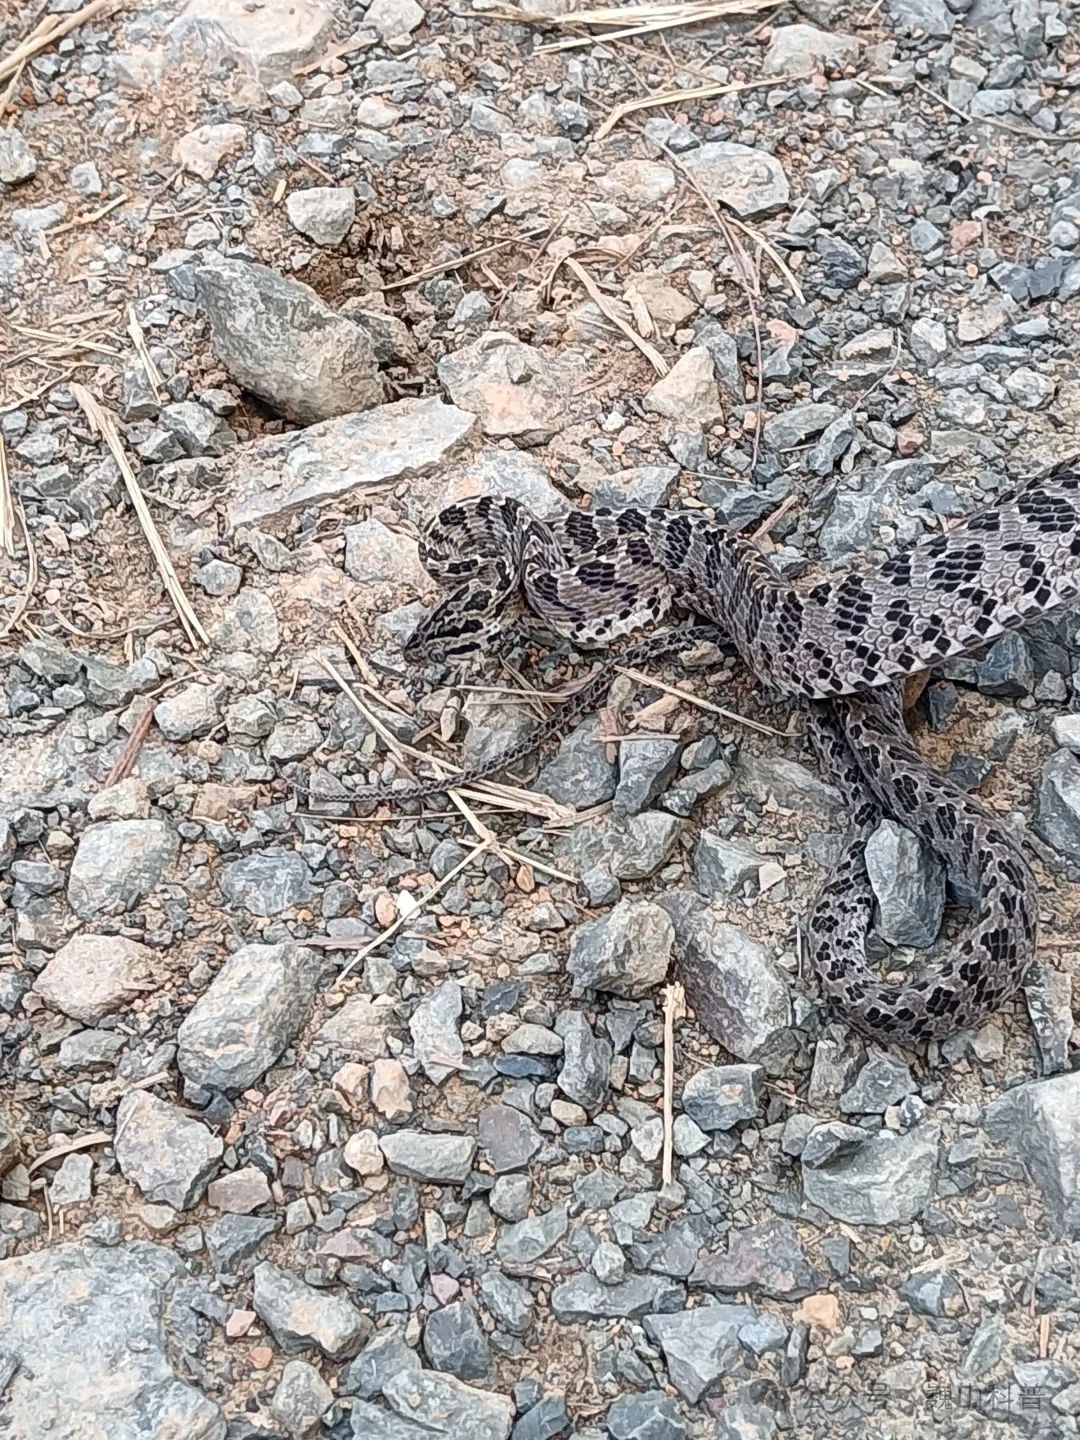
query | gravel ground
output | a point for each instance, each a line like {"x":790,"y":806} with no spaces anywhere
{"x":287,"y":1149}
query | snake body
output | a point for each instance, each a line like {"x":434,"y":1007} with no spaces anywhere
{"x":842,"y":643}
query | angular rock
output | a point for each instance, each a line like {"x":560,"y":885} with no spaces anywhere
{"x":625,"y":953}
{"x":301,"y":1399}
{"x":202,"y":150}
{"x":517,"y":392}
{"x":278,"y":340}
{"x":17,"y":161}
{"x":651,"y":1416}
{"x":585,"y":1076}
{"x":118,"y":863}
{"x":302,"y":1317}
{"x":507,"y":1137}
{"x":255,"y":1007}
{"x":722,"y":867}
{"x":454,"y":1342}
{"x":646,"y":768}
{"x":630,"y":850}
{"x":270,"y":41}
{"x":767,"y":1259}
{"x":168,"y":1155}
{"x":700,"y":1346}
{"x":440,"y":1405}
{"x":400,"y":441}
{"x":511,"y":1303}
{"x":93,"y":975}
{"x":434,"y":1028}
{"x":1041,"y":1123}
{"x":1057,"y":814}
{"x":583,"y":1297}
{"x":437,"y":1159}
{"x":359,"y":1030}
{"x":801,"y":50}
{"x":87,"y":1328}
{"x":732,"y":982}
{"x":718,"y":1097}
{"x":750,"y":182}
{"x":579,"y":773}
{"x":888,"y":1181}
{"x":267,"y":882}
{"x":909,"y":884}
{"x":688,"y":393}
{"x":235,"y":1238}
{"x":324,"y":213}
{"x":521,"y":1245}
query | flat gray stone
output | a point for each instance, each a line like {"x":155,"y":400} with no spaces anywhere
{"x":1041,"y":1123}
{"x":626,"y":952}
{"x":583,"y":1297}
{"x":750,"y":182}
{"x":767,"y":1259}
{"x":400,"y":441}
{"x":718,"y":1097}
{"x":255,"y":1006}
{"x":269,"y":42}
{"x":632,"y":849}
{"x":888,"y":1181}
{"x":434,"y":1028}
{"x":170,"y":1156}
{"x":303,"y":1318}
{"x":700,"y":1346}
{"x":909,"y":884}
{"x":86,"y":1326}
{"x":268,"y":882}
{"x":440,"y":1159}
{"x":118,"y":863}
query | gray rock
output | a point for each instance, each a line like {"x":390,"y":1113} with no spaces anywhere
{"x":17,"y":161}
{"x":767,"y":1259}
{"x":118,"y":863}
{"x":909,"y":884}
{"x":521,"y":1245}
{"x":509,"y":1197}
{"x":254,"y":1008}
{"x":277,"y":339}
{"x":434,"y":1028}
{"x":385,"y":1354}
{"x":584,"y":1297}
{"x":235,"y":1238}
{"x":646,"y":768}
{"x":632,"y":849}
{"x":651,"y":1416}
{"x":931,"y":17}
{"x":510,"y":1303}
{"x":832,"y":1141}
{"x":454,"y":1341}
{"x":624,"y":953}
{"x":751,"y":182}
{"x":268,"y":882}
{"x":427,"y":1405}
{"x":86,"y":1326}
{"x":1057,"y":813}
{"x":844,"y":265}
{"x":517,"y":391}
{"x":731,"y":981}
{"x":888,"y":1181}
{"x":881,"y":1082}
{"x":696,"y":786}
{"x":400,"y":441}
{"x":93,"y":975}
{"x":71,"y":1185}
{"x":718,"y":1097}
{"x":324,"y":213}
{"x":435,"y":1159}
{"x":794,"y":427}
{"x":722,"y":866}
{"x":198,"y":430}
{"x":585,"y":1076}
{"x":302,"y":1318}
{"x":928,"y":340}
{"x":801,"y":50}
{"x":579,"y":773}
{"x":933,"y":1292}
{"x":688,"y":394}
{"x":1039,"y":1122}
{"x":700,"y":1346}
{"x":745,"y":1417}
{"x":301,"y":1399}
{"x":168,"y":1155}
{"x":508,"y":1138}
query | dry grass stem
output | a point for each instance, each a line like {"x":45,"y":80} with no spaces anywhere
{"x":429,"y":271}
{"x":103,"y":423}
{"x":401,"y":751}
{"x":328,"y":943}
{"x":675,"y":97}
{"x":154,"y":377}
{"x":621,"y":21}
{"x":51,"y":29}
{"x":674,"y":1009}
{"x":7,"y":505}
{"x":655,"y":359}
{"x":643,"y":679}
{"x":81,"y":221}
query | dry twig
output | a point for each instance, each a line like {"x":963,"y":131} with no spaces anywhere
{"x":674,"y":1009}
{"x":51,"y":29}
{"x":600,"y":300}
{"x":102,"y":423}
{"x":7,"y":505}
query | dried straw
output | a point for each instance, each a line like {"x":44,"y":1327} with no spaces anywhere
{"x":103,"y":423}
{"x":51,"y":29}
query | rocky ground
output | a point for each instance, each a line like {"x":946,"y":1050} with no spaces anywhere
{"x":315,"y":1124}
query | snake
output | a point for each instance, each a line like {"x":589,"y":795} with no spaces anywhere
{"x":844,"y":645}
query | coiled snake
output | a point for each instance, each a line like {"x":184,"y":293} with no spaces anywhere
{"x":843,"y":644}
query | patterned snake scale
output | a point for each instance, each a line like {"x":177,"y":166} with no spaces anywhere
{"x":843,"y":643}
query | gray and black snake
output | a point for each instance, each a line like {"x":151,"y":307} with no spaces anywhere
{"x":842,"y":643}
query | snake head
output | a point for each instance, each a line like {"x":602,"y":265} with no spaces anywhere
{"x":463,"y":624}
